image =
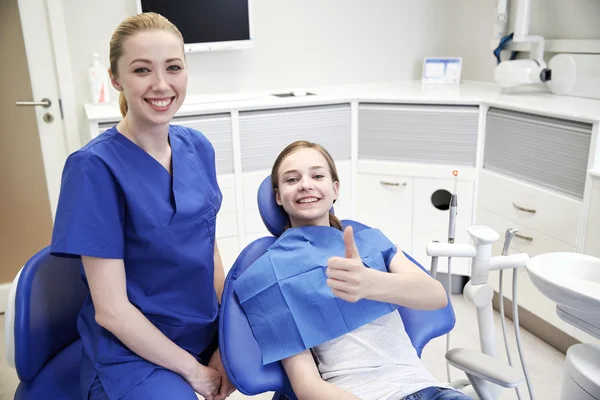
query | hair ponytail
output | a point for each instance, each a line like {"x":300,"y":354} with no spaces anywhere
{"x":123,"y":104}
{"x":334,"y":222}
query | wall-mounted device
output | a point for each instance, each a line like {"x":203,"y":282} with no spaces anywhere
{"x":566,"y":74}
{"x":207,"y":25}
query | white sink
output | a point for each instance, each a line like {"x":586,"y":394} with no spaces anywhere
{"x":571,"y":280}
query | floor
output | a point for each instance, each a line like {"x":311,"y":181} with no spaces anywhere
{"x":543,"y":363}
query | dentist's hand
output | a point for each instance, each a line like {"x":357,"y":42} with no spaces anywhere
{"x":226,"y":387}
{"x":347,"y":276}
{"x":205,"y":381}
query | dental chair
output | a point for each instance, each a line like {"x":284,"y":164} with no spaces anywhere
{"x":240,"y":353}
{"x":42,"y":341}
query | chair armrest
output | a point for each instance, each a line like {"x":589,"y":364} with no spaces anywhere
{"x":475,"y":363}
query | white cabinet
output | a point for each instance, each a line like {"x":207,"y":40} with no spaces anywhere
{"x":425,"y":134}
{"x":385,"y":202}
{"x":263,"y":134}
{"x":253,"y":225}
{"x":533,"y":243}
{"x":549,"y":212}
{"x":592,"y":238}
{"x":227,"y":222}
{"x":431,"y":219}
{"x":546,"y":221}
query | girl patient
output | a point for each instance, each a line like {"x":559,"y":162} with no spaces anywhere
{"x":377,"y":360}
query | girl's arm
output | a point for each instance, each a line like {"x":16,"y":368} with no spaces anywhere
{"x":307,"y":382}
{"x":407,"y":285}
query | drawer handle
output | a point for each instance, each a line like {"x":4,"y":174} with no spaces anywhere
{"x":528,"y":210}
{"x":528,"y":238}
{"x":384,"y":183}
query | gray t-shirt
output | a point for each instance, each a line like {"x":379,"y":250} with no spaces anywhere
{"x":374,"y":362}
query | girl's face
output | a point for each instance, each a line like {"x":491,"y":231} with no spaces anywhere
{"x":306,"y":188}
{"x":153,"y":76}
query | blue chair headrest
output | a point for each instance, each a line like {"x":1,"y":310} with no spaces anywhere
{"x":272,"y":214}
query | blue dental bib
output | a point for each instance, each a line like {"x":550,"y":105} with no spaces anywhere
{"x":285,"y":296}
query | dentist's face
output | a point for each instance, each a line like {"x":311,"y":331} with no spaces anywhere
{"x":306,"y":189}
{"x":153,"y":76}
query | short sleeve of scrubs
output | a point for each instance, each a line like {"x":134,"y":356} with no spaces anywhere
{"x":90,"y":214}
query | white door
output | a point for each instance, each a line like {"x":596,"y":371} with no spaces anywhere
{"x":32,"y":142}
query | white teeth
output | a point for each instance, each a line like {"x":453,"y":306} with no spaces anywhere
{"x":308,"y":200}
{"x":162,"y":103}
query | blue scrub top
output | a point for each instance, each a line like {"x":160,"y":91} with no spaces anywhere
{"x":117,"y":201}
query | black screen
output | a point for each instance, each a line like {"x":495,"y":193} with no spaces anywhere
{"x":204,"y":21}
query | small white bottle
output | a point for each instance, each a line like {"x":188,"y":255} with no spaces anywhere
{"x":98,"y":77}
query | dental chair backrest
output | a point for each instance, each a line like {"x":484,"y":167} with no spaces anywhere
{"x":239,"y":350}
{"x":49,"y":294}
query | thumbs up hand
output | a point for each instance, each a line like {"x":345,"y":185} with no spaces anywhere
{"x":347,"y":277}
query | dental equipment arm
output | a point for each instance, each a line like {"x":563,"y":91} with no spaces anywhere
{"x":486,"y":373}
{"x":407,"y":285}
{"x":482,"y":366}
{"x":507,"y":239}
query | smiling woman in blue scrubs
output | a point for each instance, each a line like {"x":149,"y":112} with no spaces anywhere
{"x":138,"y":204}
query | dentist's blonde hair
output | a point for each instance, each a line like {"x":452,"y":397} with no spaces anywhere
{"x":129,"y":27}
{"x":293,"y":147}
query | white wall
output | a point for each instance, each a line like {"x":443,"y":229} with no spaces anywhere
{"x":473,"y":20}
{"x":298,"y":43}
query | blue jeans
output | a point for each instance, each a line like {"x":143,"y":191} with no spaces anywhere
{"x":438,"y":393}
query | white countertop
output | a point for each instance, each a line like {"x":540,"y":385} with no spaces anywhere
{"x":532,"y":100}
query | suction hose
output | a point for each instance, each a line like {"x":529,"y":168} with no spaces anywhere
{"x":508,"y":237}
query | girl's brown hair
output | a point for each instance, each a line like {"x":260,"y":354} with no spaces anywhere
{"x":303,"y":144}
{"x":129,"y":27}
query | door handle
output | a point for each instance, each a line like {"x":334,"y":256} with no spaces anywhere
{"x":46,"y":103}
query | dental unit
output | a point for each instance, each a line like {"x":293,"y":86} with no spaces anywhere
{"x":571,"y":280}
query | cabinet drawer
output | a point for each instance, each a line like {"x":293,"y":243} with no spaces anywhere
{"x":549,"y":213}
{"x":385,"y":202}
{"x":428,"y":134}
{"x":529,"y":241}
{"x":548,"y":152}
{"x":529,"y":297}
{"x":263,"y":134}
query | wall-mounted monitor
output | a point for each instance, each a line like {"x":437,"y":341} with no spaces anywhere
{"x":207,"y":24}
